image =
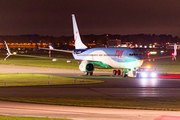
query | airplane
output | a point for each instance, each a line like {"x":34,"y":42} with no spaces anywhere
{"x":103,"y":58}
{"x":115,"y":58}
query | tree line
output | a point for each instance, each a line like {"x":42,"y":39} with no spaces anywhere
{"x":98,"y":39}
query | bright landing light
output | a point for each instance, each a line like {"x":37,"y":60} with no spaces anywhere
{"x":153,"y":74}
{"x":144,"y":74}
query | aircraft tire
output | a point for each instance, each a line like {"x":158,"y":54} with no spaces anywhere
{"x":124,"y":74}
{"x":119,"y":72}
{"x":91,"y":73}
{"x":86,"y":73}
{"x":114,"y":72}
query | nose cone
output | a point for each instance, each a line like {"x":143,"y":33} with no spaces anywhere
{"x":138,"y":57}
{"x":140,"y":60}
{"x":140,"y":63}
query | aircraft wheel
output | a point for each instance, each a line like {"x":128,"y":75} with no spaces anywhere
{"x":91,"y":73}
{"x":86,"y":73}
{"x":124,"y":74}
{"x":119,"y":72}
{"x":114,"y":72}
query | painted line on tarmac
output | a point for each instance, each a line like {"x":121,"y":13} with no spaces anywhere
{"x":43,"y":71}
{"x":94,"y":77}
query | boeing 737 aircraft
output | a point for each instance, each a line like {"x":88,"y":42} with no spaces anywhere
{"x":107,"y":58}
{"x":102,"y":58}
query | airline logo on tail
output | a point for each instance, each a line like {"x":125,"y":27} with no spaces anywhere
{"x":75,"y":37}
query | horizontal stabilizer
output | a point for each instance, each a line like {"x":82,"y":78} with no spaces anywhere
{"x":67,"y":51}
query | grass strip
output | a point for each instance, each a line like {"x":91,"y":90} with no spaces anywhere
{"x":165,"y":65}
{"x":13,"y":79}
{"x":28,"y":118}
{"x":147,"y":103}
{"x":39,"y":62}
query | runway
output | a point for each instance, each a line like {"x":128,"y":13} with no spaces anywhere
{"x":112,"y":87}
{"x":83,"y":113}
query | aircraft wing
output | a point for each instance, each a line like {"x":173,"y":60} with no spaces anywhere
{"x":173,"y":55}
{"x":67,"y":51}
{"x":9,"y":54}
{"x":157,"y":57}
{"x":33,"y":56}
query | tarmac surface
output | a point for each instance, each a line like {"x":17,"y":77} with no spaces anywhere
{"x":83,"y":113}
{"x":113,"y":87}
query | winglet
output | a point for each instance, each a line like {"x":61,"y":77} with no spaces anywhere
{"x":9,"y":53}
{"x":77,"y":38}
{"x":175,"y":49}
{"x":175,"y":52}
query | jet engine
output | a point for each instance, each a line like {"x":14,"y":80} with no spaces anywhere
{"x":86,"y":67}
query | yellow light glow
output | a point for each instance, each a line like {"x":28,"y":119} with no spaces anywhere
{"x":14,"y":53}
{"x":153,"y":52}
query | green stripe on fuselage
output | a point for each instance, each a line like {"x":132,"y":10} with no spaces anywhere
{"x":101,"y":65}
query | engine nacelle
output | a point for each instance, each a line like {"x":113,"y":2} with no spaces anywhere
{"x":86,"y":67}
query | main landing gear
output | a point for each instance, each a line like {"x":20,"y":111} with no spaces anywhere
{"x":88,"y":73}
{"x":118,"y":72}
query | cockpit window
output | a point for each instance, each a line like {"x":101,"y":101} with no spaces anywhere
{"x":134,"y":54}
{"x":130,"y":54}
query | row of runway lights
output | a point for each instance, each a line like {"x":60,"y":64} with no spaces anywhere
{"x":48,"y":84}
{"x":48,"y":81}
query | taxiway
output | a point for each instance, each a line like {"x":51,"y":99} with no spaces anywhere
{"x":112,"y":86}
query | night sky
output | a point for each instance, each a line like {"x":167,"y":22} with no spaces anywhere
{"x":53,"y":17}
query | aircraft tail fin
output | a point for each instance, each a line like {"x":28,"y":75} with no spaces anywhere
{"x":77,"y":38}
{"x":9,"y":53}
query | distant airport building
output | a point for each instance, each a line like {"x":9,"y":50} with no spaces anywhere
{"x":118,"y":43}
{"x":25,"y":45}
{"x":114,"y":43}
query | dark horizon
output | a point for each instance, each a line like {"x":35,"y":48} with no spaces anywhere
{"x":122,"y":17}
